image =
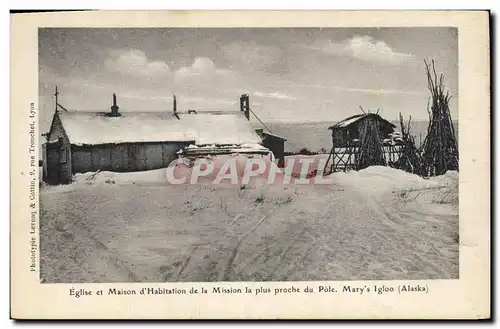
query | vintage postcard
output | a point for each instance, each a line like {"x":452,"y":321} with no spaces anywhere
{"x":250,"y":165}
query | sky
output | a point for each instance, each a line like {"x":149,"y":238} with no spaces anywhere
{"x":290,"y":74}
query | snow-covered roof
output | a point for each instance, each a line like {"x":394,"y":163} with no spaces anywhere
{"x":264,"y":134}
{"x":350,"y":120}
{"x":93,"y":128}
{"x":221,"y":128}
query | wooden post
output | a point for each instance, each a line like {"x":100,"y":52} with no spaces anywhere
{"x":56,"y":94}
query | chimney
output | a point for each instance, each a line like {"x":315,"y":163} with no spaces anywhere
{"x":175,"y":108}
{"x":114,"y":108}
{"x":245,"y":105}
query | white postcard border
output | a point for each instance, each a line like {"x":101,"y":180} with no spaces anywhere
{"x":467,"y":297}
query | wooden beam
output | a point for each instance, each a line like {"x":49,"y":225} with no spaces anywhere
{"x":56,"y":94}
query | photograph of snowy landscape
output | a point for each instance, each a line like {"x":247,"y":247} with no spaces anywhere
{"x":248,"y":154}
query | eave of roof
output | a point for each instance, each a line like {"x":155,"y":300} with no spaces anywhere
{"x":273,"y":135}
{"x":352,"y":119}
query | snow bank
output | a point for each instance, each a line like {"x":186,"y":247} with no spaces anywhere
{"x":108,"y":177}
{"x":449,"y":192}
{"x":215,"y":165}
{"x":450,"y":177}
{"x":376,"y":179}
{"x":381,"y":178}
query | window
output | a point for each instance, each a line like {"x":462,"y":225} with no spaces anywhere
{"x":63,"y":155}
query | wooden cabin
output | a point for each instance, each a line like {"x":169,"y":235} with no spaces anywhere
{"x":80,"y":142}
{"x":348,"y":135}
{"x":348,"y":131}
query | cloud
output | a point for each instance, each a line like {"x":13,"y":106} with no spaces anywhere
{"x":201,"y":66}
{"x":202,"y":70}
{"x":367,"y":49}
{"x":274,"y":95}
{"x":135,"y":63}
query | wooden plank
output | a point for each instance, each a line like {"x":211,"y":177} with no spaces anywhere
{"x":119,"y":157}
{"x":133,"y":155}
{"x":169,"y":152}
{"x":82,"y":159}
{"x":106,"y":157}
{"x":95,"y":159}
{"x":141,"y":158}
{"x":153,"y":156}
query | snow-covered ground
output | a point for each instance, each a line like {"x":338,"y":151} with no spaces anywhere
{"x":378,"y":223}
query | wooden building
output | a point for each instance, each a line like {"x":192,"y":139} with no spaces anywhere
{"x":79,"y":142}
{"x":351,"y":135}
{"x":275,"y":143}
{"x":349,"y":130}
